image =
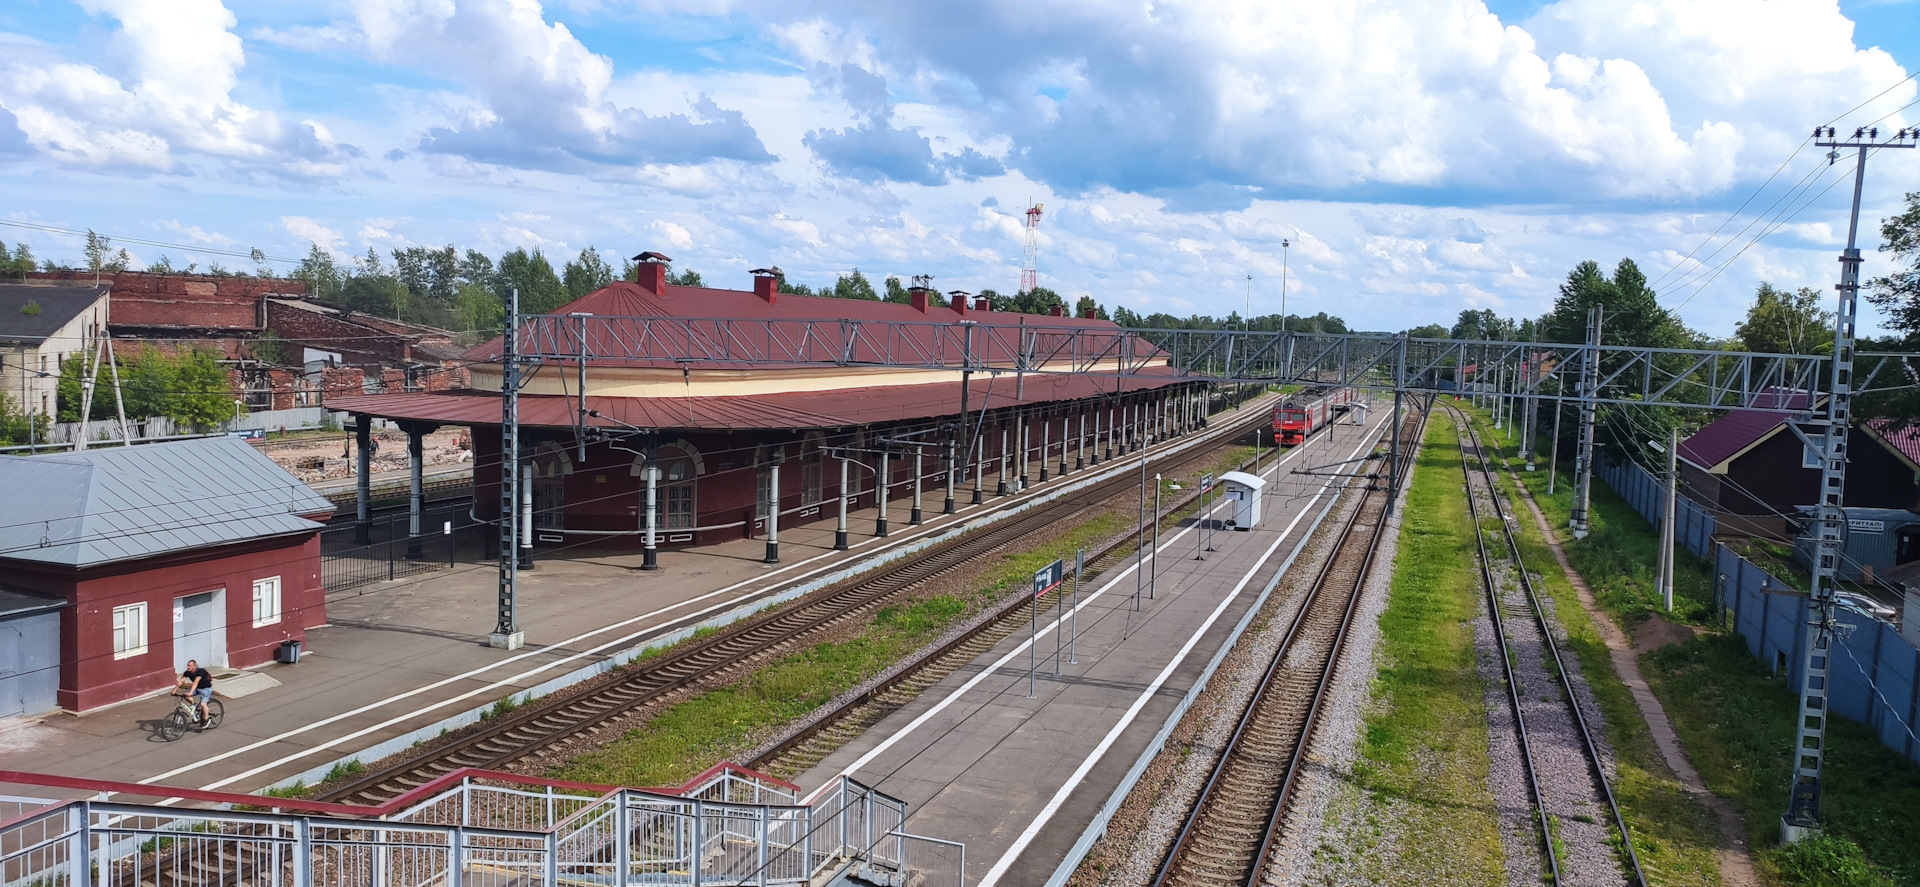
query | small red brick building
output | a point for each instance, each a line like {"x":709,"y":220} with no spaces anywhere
{"x":195,"y":549}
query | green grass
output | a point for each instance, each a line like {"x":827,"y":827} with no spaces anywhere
{"x":1736,"y":718}
{"x":1674,"y":835}
{"x":1426,"y":741}
{"x":1732,"y":715}
{"x":690,"y":736}
{"x":725,"y":723}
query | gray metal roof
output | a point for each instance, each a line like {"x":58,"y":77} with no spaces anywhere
{"x":55,"y":306}
{"x":101,"y":506}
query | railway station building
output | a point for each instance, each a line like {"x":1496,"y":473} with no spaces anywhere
{"x":719,"y":447}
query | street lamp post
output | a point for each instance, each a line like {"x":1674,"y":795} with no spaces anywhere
{"x":1284,"y":243}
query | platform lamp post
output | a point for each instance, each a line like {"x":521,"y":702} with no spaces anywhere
{"x":840,"y":529}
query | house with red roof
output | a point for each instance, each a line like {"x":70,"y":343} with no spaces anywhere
{"x":719,"y":433}
{"x":1752,"y":470}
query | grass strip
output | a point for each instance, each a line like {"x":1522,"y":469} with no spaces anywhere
{"x":1733,"y":716}
{"x":1424,"y":758}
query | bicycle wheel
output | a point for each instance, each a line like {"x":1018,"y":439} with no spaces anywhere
{"x":216,"y":711}
{"x":175,"y":726}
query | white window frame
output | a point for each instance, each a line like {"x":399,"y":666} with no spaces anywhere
{"x":1811,"y":458}
{"x":266,"y":601}
{"x":130,"y":630}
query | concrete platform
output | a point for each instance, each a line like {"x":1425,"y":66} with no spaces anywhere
{"x":403,"y":659}
{"x":1019,"y":779}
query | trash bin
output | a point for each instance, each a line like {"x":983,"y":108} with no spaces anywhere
{"x":288,"y":652}
{"x":1243,"y":490}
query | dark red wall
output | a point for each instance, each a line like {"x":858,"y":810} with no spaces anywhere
{"x":605,"y":498}
{"x":90,"y":676}
{"x":1772,"y":473}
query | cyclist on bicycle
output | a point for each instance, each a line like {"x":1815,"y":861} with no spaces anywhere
{"x":198,"y":683}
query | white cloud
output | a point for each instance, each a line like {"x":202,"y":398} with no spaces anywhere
{"x":313,"y":232}
{"x":195,"y":234}
{"x":677,"y":235}
{"x":182,"y":62}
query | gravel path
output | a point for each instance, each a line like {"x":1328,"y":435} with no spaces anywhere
{"x":1583,"y":829}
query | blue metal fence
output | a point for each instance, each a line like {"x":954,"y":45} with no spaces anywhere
{"x":1873,"y":671}
{"x":1693,"y":527}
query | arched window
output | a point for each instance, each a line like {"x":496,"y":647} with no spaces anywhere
{"x":677,"y":473}
{"x":550,"y":468}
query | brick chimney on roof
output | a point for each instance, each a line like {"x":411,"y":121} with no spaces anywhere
{"x":653,"y":271}
{"x":957,"y":300}
{"x":982,"y":303}
{"x":766,"y":284}
{"x":1090,"y":313}
{"x":920,"y":297}
{"x":1058,"y":311}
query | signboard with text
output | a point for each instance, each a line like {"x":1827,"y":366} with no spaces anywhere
{"x":1206,"y":483}
{"x":1048,"y":578}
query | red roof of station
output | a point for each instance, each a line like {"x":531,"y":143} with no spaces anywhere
{"x":810,"y":409}
{"x":790,"y":315}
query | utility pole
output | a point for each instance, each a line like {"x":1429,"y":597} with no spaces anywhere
{"x":506,"y":630}
{"x":1583,"y":458}
{"x":1803,"y":802}
{"x":1663,"y":580}
{"x":1553,"y":451}
{"x":1527,"y":379}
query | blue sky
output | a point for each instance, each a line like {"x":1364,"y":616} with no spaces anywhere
{"x":1421,"y":158}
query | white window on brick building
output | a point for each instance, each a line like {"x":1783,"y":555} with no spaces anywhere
{"x":129,"y":630}
{"x":266,"y":601}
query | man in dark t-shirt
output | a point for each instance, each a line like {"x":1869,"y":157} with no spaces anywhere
{"x":199,"y":683}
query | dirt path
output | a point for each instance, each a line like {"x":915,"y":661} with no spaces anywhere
{"x":1735,"y":857}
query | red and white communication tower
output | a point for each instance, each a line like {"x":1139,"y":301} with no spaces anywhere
{"x":1030,"y":275}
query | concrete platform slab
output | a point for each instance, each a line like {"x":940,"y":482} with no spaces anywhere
{"x":1019,"y":779}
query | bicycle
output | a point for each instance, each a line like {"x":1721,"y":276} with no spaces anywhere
{"x":187,"y":715}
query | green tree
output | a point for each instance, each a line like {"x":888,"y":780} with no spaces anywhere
{"x":588,"y":272}
{"x":270,"y":349}
{"x":1898,"y":293}
{"x":896,"y":291}
{"x":1632,"y":313}
{"x":688,"y":277}
{"x":478,"y":312}
{"x":1482,"y":324}
{"x":162,"y":265}
{"x":541,"y":291}
{"x":477,"y":268}
{"x":19,"y":427}
{"x":102,"y":257}
{"x":1038,"y":300}
{"x":1086,"y":305}
{"x":1430,"y":331}
{"x":852,"y":286}
{"x":1782,"y":322}
{"x":326,"y":278}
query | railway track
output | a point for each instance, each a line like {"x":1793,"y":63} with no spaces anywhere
{"x":1231,"y":828}
{"x":1576,"y":818}
{"x":569,"y":716}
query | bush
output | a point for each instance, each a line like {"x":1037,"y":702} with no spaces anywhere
{"x":1828,"y":860}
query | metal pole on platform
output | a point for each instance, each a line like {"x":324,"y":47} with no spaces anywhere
{"x":773,"y":513}
{"x":650,"y":547}
{"x":1079,"y":566}
{"x":840,"y":528}
{"x":1004,"y":489}
{"x":953,"y":468}
{"x":913,"y":517}
{"x":1023,"y":432}
{"x":1046,"y":445}
{"x":1080,"y":444}
{"x":881,"y":481}
{"x":1153,"y":580}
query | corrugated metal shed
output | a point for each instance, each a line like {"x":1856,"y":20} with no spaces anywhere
{"x":101,"y":506}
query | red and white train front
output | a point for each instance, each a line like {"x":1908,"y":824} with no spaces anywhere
{"x":1308,"y":412}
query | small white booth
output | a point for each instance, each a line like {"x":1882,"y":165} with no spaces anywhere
{"x":1243,"y":490}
